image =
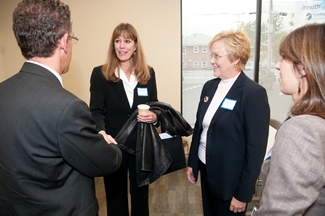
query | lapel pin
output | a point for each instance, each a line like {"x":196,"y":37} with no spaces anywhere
{"x":206,"y":98}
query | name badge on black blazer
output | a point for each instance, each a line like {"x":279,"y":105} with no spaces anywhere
{"x":228,"y":104}
{"x":142,"y":92}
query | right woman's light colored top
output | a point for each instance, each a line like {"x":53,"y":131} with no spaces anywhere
{"x":294,"y":174}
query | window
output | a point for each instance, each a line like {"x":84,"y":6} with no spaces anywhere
{"x":278,"y":18}
{"x":201,"y":21}
{"x":184,"y":65}
{"x":204,"y":49}
{"x":195,"y":49}
{"x":184,"y":49}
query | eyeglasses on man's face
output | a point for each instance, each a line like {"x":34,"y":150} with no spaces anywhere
{"x":215,"y":56}
{"x":74,"y":39}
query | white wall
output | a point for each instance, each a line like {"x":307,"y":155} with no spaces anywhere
{"x":157,"y":22}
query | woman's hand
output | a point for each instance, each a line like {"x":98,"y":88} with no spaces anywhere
{"x":190,"y":176}
{"x":237,"y":206}
{"x":108,"y":138}
{"x":150,"y":117}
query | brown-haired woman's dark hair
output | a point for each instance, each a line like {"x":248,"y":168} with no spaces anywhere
{"x":141,"y":69}
{"x":305,"y":47}
{"x":39,"y":24}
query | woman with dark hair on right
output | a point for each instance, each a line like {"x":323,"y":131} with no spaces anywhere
{"x":294,"y":170}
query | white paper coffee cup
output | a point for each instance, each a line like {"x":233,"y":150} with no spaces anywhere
{"x":143,"y":109}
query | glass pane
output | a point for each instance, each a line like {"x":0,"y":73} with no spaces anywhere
{"x":201,"y":21}
{"x":278,"y":19}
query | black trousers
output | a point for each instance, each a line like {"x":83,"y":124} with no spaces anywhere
{"x":212,"y":206}
{"x":116,"y":188}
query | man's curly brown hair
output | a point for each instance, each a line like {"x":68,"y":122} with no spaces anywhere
{"x":39,"y":24}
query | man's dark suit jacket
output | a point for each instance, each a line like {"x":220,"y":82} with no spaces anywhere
{"x":50,"y":149}
{"x":236,"y":139}
{"x":110,"y":106}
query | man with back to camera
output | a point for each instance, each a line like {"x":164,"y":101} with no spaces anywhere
{"x":50,"y":150}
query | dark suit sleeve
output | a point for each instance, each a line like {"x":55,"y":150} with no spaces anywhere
{"x":97,"y":98}
{"x":256,"y":128}
{"x":81,"y":145}
{"x":153,"y":89}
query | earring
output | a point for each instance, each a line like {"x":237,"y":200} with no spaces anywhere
{"x":134,"y":52}
{"x":299,"y":89}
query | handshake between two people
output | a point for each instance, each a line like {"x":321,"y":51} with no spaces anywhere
{"x":146,"y":117}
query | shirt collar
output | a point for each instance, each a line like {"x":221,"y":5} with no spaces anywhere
{"x":133,"y":79}
{"x":48,"y":68}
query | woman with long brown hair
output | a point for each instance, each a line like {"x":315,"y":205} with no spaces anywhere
{"x":117,"y":87}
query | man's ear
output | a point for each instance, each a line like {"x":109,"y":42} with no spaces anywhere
{"x":63,"y":43}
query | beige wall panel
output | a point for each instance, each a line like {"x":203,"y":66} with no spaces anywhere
{"x":10,"y":52}
{"x":158,"y":24}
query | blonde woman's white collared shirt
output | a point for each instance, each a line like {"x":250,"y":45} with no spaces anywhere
{"x":129,"y":85}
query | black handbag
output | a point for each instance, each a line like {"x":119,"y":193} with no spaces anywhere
{"x":174,"y":145}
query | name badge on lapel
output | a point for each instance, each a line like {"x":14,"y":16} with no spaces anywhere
{"x":142,"y":92}
{"x":228,"y":104}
